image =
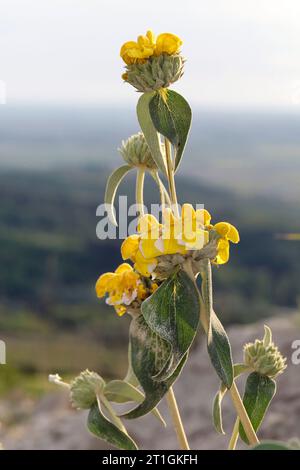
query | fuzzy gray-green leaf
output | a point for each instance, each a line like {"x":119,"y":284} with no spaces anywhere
{"x":272,"y":445}
{"x":217,"y":410}
{"x":172,"y":118}
{"x":172,"y":312}
{"x":259,"y":392}
{"x":151,"y":135}
{"x":120,"y":391}
{"x":219,"y":350}
{"x":238,"y":369}
{"x":148,"y":354}
{"x":111,"y":188}
{"x":99,"y":425}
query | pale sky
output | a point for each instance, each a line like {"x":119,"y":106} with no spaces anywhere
{"x":239,"y":52}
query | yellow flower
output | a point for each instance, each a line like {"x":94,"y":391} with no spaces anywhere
{"x":175,"y":235}
{"x":228,"y":233}
{"x":123,"y":287}
{"x":167,"y":43}
{"x":136,"y":52}
{"x":139,"y":51}
{"x":194,"y":223}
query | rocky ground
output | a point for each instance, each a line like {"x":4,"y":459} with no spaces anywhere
{"x":52,"y":424}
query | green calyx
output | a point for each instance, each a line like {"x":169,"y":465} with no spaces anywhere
{"x":85,"y":388}
{"x":264,"y":357}
{"x":136,"y":152}
{"x":156,"y":73}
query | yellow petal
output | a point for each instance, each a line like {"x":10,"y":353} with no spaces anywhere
{"x":144,"y":266}
{"x":120,"y":309}
{"x":128,"y":46}
{"x":201,"y":237}
{"x":141,"y":291}
{"x":223,"y":252}
{"x":187,"y":211}
{"x":150,"y":35}
{"x":233,"y":234}
{"x":148,"y":223}
{"x":130,"y":247}
{"x":188,"y":218}
{"x":203,"y":217}
{"x":172,"y":246}
{"x":149,"y":248}
{"x":228,"y":231}
{"x":103,"y":283}
{"x":123,"y":268}
{"x":223,"y":228}
{"x":168,"y":43}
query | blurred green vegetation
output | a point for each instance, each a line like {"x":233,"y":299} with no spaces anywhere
{"x":50,"y":259}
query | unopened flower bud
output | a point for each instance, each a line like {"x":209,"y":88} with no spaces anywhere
{"x":264,"y":357}
{"x":155,"y":73}
{"x":84,"y":389}
{"x":135,"y":151}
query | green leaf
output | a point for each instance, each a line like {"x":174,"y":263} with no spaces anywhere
{"x":172,"y":118}
{"x":172,"y":312}
{"x":217,"y":410}
{"x":120,"y":391}
{"x":217,"y":403}
{"x":99,"y":425}
{"x":219,"y":350}
{"x":259,"y":392}
{"x":111,"y":188}
{"x":272,"y":445}
{"x":217,"y":340}
{"x":148,"y":354}
{"x":151,"y":135}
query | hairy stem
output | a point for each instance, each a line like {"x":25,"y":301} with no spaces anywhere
{"x":164,"y":195}
{"x":243,"y":415}
{"x":139,"y":191}
{"x":177,"y":423}
{"x":206,"y":302}
{"x":235,"y":435}
{"x":171,"y":178}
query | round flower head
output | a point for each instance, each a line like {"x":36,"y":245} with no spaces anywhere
{"x":84,"y":389}
{"x":152,"y":64}
{"x":264,"y":357}
{"x":136,"y":152}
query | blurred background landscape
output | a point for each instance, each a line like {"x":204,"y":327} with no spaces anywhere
{"x":65,"y":116}
{"x":52,"y":179}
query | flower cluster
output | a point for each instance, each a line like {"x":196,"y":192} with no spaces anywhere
{"x":177,"y":235}
{"x":139,"y":51}
{"x":135,"y":151}
{"x":152,"y":63}
{"x":124,"y":287}
{"x":264,"y":357}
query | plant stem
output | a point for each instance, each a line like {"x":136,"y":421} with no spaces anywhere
{"x":164,"y":196}
{"x":235,"y":435}
{"x":243,"y":415}
{"x":206,"y":302}
{"x":114,"y":418}
{"x":171,"y":178}
{"x":139,"y":192}
{"x":177,"y":423}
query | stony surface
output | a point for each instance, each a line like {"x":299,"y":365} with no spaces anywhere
{"x":52,"y":424}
